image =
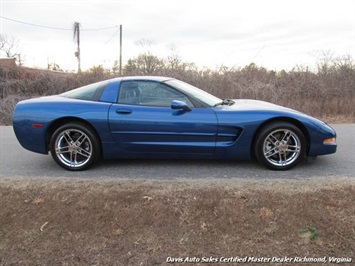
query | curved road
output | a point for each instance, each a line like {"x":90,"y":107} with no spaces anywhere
{"x":18,"y":162}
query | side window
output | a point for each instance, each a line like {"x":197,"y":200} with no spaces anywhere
{"x":90,"y":92}
{"x":129,"y":93}
{"x":149,"y":93}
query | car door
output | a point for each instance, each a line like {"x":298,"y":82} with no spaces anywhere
{"x":143,"y":121}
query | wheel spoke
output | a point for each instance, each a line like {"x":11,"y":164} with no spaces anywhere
{"x":287,"y":136}
{"x":270,"y":152}
{"x":83,"y":152}
{"x":294,"y":149}
{"x":282,"y":158}
{"x":67,"y":137}
{"x":78,"y":142}
{"x":272,"y":139}
{"x":75,"y":158}
{"x":281,"y":162}
{"x":285,"y":158}
{"x":71,"y":159}
{"x":62,"y":150}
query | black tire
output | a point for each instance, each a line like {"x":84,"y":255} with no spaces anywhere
{"x":280,"y":146}
{"x":75,"y":146}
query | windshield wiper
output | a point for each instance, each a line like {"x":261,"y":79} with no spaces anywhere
{"x":228,"y":102}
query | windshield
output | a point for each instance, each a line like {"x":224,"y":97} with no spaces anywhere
{"x":197,"y":93}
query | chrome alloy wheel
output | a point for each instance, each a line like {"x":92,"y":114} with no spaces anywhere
{"x":73,"y":148}
{"x":282,"y":147}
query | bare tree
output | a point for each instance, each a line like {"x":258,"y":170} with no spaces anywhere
{"x":173,"y":59}
{"x":9,"y":47}
{"x":2,"y":42}
{"x":76,"y":37}
{"x":144,"y":64}
{"x":145,"y":43}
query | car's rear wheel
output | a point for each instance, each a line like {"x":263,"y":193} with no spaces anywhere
{"x":74,"y":147}
{"x":280,"y":146}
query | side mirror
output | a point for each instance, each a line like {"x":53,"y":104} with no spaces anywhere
{"x":180,"y":105}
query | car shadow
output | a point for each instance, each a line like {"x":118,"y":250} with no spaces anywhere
{"x":194,"y":169}
{"x":41,"y":166}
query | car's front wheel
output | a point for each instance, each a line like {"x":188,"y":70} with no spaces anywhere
{"x":280,"y":146}
{"x":74,"y":147}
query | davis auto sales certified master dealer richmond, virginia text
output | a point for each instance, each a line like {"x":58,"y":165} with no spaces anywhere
{"x":258,"y":260}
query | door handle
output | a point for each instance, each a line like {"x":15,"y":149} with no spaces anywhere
{"x":123,"y":111}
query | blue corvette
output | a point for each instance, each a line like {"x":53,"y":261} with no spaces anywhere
{"x":159,"y":117}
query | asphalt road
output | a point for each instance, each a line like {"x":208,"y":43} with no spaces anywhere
{"x":15,"y":161}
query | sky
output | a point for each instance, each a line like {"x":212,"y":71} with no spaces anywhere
{"x":276,"y":34}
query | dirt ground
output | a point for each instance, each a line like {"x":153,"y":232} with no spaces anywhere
{"x":122,"y":222}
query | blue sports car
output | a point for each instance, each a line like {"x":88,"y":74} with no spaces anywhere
{"x":160,"y":117}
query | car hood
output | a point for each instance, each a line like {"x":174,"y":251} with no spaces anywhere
{"x":250,"y":105}
{"x":268,"y":109}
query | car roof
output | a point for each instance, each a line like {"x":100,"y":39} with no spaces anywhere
{"x":148,"y":78}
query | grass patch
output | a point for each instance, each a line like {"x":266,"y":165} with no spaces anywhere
{"x":78,"y":222}
{"x":309,"y":232}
